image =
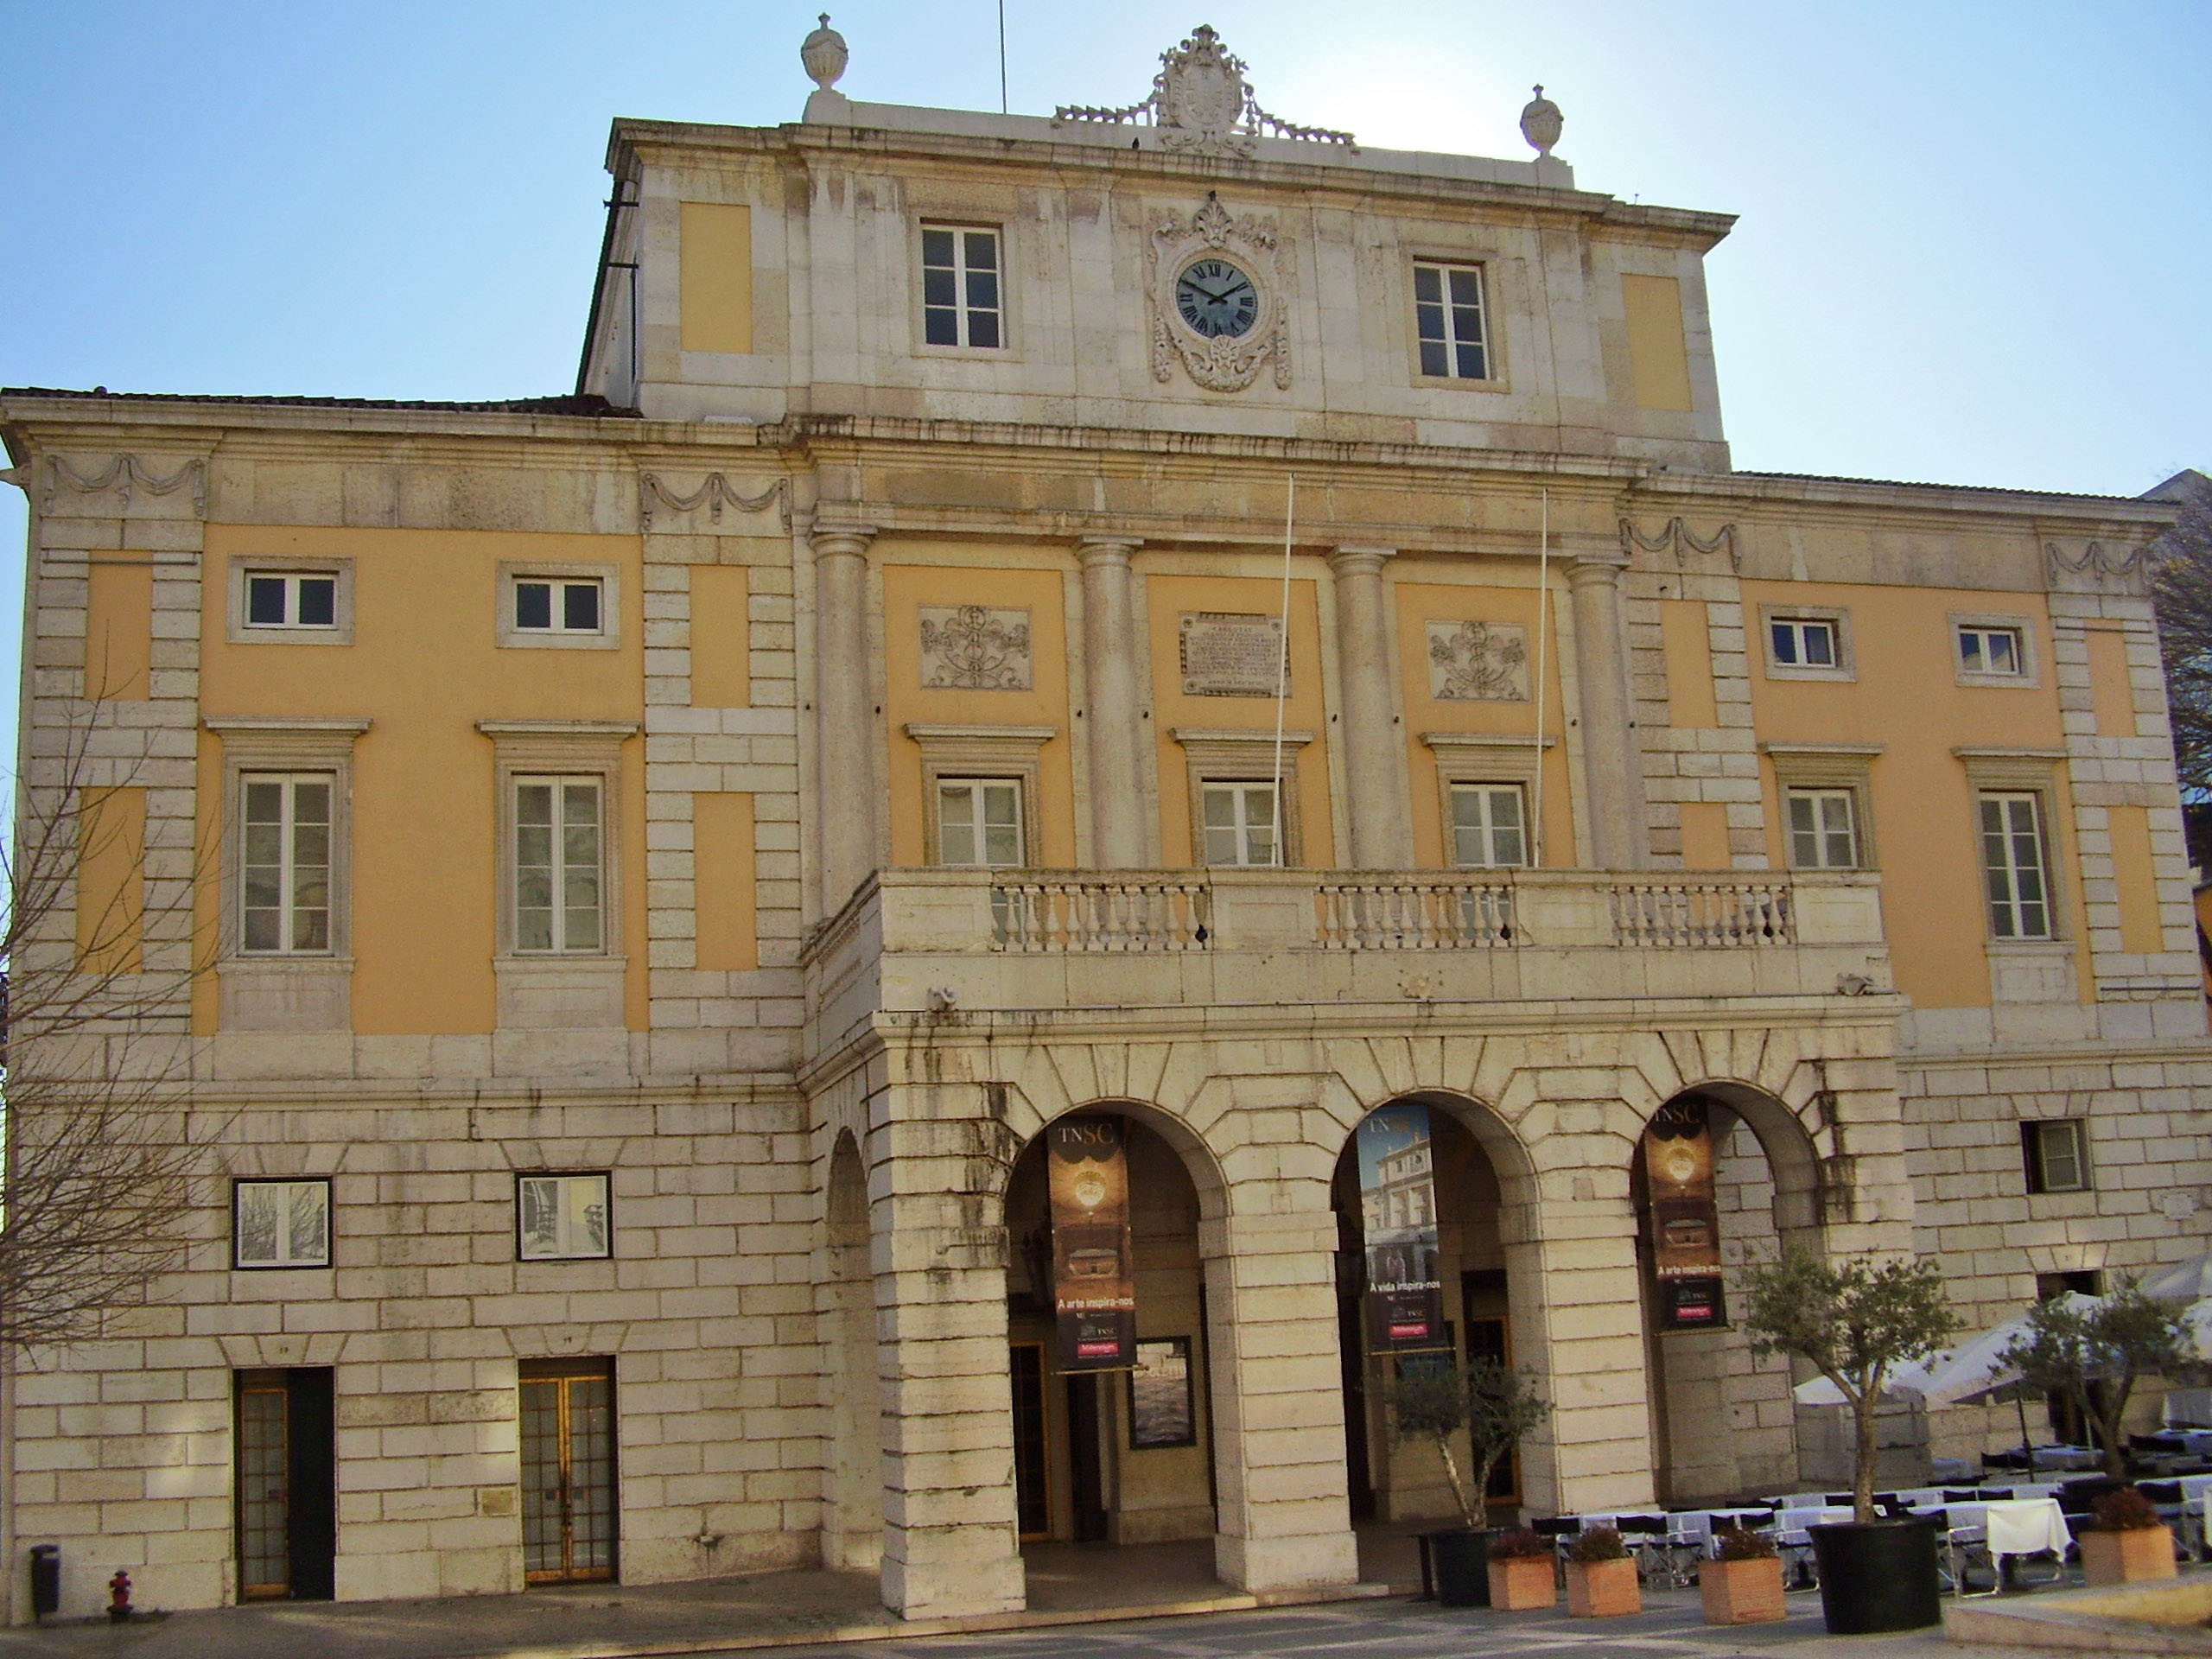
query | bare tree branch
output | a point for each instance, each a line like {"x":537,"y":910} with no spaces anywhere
{"x":2183,"y":593}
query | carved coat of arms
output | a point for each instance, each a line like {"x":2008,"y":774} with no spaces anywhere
{"x":1201,"y":103}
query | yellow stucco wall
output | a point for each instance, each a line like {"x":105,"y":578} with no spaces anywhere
{"x":1658,"y":356}
{"x":2111,"y":696}
{"x":726,"y":925}
{"x":119,"y":628}
{"x":1906,"y":698}
{"x":424,"y":667}
{"x":722,"y":656}
{"x":111,"y":896}
{"x":714,"y":276}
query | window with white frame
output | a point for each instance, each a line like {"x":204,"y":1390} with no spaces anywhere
{"x":1803,"y":642}
{"x":563,"y":1218}
{"x":1448,"y":318}
{"x":559,"y":897}
{"x":1823,"y":828}
{"x":281,"y":1223}
{"x":2014,"y":866}
{"x":2057,"y":1152}
{"x":285,"y":863}
{"x":557,"y":605}
{"x":1996,"y":652}
{"x":284,"y":598}
{"x":979,"y":821}
{"x":961,"y":302}
{"x":1488,"y":826}
{"x":1239,"y":823}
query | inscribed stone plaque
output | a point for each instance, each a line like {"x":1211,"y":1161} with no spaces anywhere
{"x":1477,"y":662}
{"x":1226,"y":655}
{"x":973,"y":648}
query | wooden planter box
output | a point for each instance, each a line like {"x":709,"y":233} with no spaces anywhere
{"x":1741,"y":1593}
{"x":1603,"y":1589}
{"x":2125,"y":1557}
{"x":1521,"y":1582}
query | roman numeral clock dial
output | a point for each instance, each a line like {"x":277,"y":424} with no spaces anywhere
{"x":1216,"y":299}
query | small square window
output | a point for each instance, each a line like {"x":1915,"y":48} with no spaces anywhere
{"x":1800,"y":643}
{"x":281,"y":1223}
{"x":2057,"y":1152}
{"x":1823,"y":830}
{"x":1448,"y":318}
{"x":284,"y":600}
{"x":961,"y":303}
{"x":979,"y":821}
{"x":1488,"y":826}
{"x":563,"y":1218}
{"x":552,"y":605}
{"x":1239,"y":823}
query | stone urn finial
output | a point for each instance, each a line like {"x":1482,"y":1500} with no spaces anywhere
{"x":824,"y":55}
{"x":1541,"y":125}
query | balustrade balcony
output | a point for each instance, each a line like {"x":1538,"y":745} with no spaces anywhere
{"x":969,"y":941}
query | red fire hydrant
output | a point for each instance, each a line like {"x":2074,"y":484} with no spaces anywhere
{"x":118,"y":1596}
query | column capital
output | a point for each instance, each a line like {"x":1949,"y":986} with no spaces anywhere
{"x":835,"y":538}
{"x":1106,"y":550}
{"x":1349,"y":561}
{"x":1607,"y":567}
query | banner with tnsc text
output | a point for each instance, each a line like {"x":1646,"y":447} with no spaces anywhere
{"x":1397,"y":1203}
{"x":1094,"y":1283}
{"x":1678,"y":1158}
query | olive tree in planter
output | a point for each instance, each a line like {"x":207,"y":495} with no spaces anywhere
{"x":1855,"y":1321}
{"x":1497,"y":1407}
{"x":2117,"y":1341}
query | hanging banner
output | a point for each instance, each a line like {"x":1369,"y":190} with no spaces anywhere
{"x":1094,"y":1287}
{"x":1678,"y":1158}
{"x":1397,"y":1200}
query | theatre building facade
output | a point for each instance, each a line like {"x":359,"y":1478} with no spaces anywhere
{"x":1111,"y":777}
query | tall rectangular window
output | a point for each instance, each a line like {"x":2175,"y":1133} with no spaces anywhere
{"x":960,"y":286}
{"x":2014,"y":868}
{"x":2056,"y":1151}
{"x":281,"y":1225}
{"x":979,"y":821}
{"x":557,"y":865}
{"x":1448,"y":316}
{"x":1823,"y":835}
{"x":563,"y":1218}
{"x":1240,"y":824}
{"x":1488,"y":826}
{"x":284,"y":864}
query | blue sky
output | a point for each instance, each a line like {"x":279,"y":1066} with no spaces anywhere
{"x":1973,"y":244}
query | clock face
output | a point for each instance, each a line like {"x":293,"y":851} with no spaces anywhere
{"x":1215,"y":298}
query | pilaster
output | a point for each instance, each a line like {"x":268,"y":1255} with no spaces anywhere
{"x":1113,"y":702}
{"x":1375,"y":753}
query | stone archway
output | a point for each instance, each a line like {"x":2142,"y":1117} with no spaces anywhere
{"x":852,"y":1521}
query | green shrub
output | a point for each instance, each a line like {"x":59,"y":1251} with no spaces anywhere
{"x":1743,"y":1544}
{"x":1598,"y":1544}
{"x":1519,"y":1544}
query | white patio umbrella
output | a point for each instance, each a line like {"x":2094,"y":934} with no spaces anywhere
{"x":1908,"y":1382}
{"x":2180,"y":1282}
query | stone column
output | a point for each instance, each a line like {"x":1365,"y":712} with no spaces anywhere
{"x":1113,"y":702}
{"x":1375,"y":751}
{"x":1615,"y":777}
{"x":844,"y":728}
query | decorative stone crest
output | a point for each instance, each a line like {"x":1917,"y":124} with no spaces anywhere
{"x":973,"y":648}
{"x":1202,"y":103}
{"x":1540,"y":123}
{"x":1679,"y":539}
{"x":1220,"y":362}
{"x":655,"y":495}
{"x":126,"y":474}
{"x":1477,"y":662}
{"x":2098,"y":566}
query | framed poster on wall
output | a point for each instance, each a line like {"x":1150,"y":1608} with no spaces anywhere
{"x":1160,"y":1408}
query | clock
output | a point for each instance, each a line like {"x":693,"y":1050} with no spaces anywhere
{"x":1215,"y":298}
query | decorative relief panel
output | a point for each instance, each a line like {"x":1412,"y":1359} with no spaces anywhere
{"x":1477,"y":662}
{"x":974,"y":648}
{"x":1226,"y":655}
{"x":1232,"y":359}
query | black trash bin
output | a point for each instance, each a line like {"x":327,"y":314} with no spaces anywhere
{"x":46,"y":1580}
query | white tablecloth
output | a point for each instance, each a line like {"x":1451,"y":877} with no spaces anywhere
{"x":2015,"y":1526}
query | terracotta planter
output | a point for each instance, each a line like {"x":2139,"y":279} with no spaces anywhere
{"x":2125,"y":1557}
{"x":1741,"y":1593}
{"x":1521,"y":1582}
{"x":1603,"y":1589}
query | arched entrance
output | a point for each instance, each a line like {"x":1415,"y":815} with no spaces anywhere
{"x":1417,"y":1191}
{"x":1722,"y":1173}
{"x":1124,"y":1455}
{"x":853,"y":1521}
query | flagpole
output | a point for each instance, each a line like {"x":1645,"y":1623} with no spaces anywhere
{"x":1282,"y":665}
{"x":1543,"y":645}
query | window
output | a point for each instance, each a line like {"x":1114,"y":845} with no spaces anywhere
{"x":960,"y":286}
{"x":282,"y":599}
{"x":557,"y":865}
{"x":2057,"y":1152}
{"x":2012,"y":866}
{"x":979,"y":821}
{"x":1448,"y":316}
{"x":551,"y":606}
{"x":284,"y":863}
{"x":1823,"y":835}
{"x":281,"y":1223}
{"x":1799,"y":642}
{"x":1487,"y":826}
{"x":563,"y":1218}
{"x":1992,"y":651}
{"x":1239,"y":823}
